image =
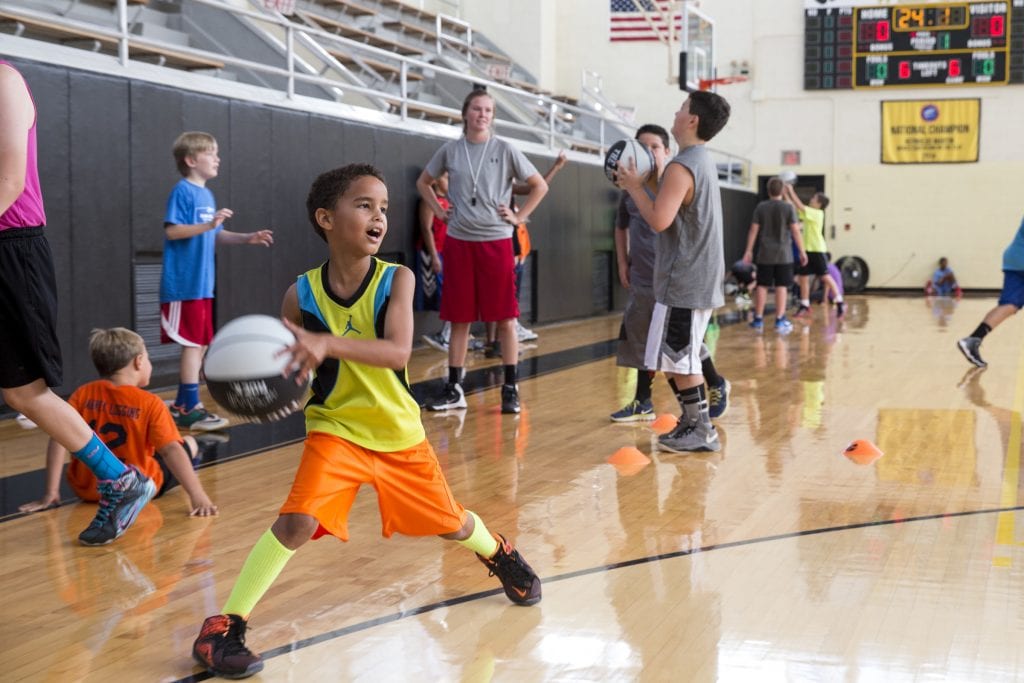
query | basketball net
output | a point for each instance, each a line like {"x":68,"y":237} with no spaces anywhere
{"x":285,"y":7}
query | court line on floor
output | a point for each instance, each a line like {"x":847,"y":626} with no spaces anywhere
{"x":397,"y":616}
{"x":1005,"y":523}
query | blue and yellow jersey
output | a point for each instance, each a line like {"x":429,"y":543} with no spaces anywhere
{"x":369,"y":406}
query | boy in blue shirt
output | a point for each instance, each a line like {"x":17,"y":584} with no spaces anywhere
{"x":192,"y":229}
{"x":1011,"y":299}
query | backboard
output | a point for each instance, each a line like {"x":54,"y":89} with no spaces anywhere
{"x":696,"y":49}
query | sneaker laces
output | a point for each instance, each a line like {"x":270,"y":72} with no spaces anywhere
{"x":110,"y":496}
{"x":234,"y":639}
{"x":715,"y":394}
{"x":507,"y":563}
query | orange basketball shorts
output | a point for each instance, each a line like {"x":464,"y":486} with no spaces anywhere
{"x":412,"y":493}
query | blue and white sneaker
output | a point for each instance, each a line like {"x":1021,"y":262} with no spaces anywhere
{"x":635,"y":411}
{"x":783,"y":326}
{"x":121,"y":500}
{"x":718,"y":398}
{"x":757,"y":324}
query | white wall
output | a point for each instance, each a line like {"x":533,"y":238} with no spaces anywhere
{"x":899,"y":218}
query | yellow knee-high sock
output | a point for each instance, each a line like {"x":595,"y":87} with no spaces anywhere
{"x":266,"y":560}
{"x":481,"y":541}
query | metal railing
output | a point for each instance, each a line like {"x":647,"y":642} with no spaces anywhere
{"x":562,"y":121}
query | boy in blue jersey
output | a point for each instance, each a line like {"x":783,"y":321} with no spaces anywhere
{"x":352,"y":319}
{"x":1011,"y":299}
{"x":192,"y":229}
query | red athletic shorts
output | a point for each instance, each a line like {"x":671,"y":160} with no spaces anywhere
{"x":412,"y":494}
{"x":479,"y":281}
{"x":189,"y":323}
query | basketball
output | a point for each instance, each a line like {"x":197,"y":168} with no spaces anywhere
{"x":787,"y":177}
{"x":244,"y":372}
{"x":624,"y":150}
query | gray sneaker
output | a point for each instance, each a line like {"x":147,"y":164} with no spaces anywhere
{"x":689,"y":437}
{"x":971,"y":347}
{"x":437,"y":340}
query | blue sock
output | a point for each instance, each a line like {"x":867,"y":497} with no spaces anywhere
{"x":98,"y":458}
{"x":188,"y":396}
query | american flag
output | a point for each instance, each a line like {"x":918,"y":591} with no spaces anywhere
{"x":633,"y":20}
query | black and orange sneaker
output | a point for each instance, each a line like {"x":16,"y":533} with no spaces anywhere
{"x":220,"y":648}
{"x":522,"y":585}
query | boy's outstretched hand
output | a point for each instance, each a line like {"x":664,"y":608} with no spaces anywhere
{"x":261,"y":237}
{"x":203,"y":507}
{"x":48,"y":501}
{"x":308,"y":351}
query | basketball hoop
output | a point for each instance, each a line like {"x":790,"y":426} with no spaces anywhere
{"x":709,"y":83}
{"x":285,"y":7}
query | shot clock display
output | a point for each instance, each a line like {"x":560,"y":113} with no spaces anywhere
{"x":937,"y":44}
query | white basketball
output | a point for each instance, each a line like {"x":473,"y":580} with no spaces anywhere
{"x":244,"y":371}
{"x":622,"y":152}
{"x":787,"y":176}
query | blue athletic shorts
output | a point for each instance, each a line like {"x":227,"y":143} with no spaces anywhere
{"x":1013,"y":288}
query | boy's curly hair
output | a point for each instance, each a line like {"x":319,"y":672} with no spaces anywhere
{"x":330,"y":185}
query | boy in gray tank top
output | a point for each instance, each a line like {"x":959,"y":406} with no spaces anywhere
{"x":689,"y":265}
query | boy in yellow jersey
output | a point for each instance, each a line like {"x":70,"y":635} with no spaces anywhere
{"x":352,"y":319}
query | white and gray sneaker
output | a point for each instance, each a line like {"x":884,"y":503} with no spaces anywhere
{"x":452,"y":398}
{"x":690,"y":437}
{"x":525,"y":334}
{"x":436,"y":340}
{"x":971,"y":348}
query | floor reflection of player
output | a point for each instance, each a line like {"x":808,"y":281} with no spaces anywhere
{"x":775,"y":400}
{"x":942,"y":307}
{"x":687,"y":616}
{"x":813,"y":354}
{"x":118,"y":594}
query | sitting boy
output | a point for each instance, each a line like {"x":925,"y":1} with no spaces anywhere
{"x":943,"y":282}
{"x":136,"y":425}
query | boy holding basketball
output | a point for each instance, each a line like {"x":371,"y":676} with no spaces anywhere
{"x":352,"y":319}
{"x":635,"y":251}
{"x":192,"y":229}
{"x":686,"y":212}
{"x":137,"y":426}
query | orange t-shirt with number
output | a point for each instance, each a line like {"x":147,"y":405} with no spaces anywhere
{"x":131,"y":421}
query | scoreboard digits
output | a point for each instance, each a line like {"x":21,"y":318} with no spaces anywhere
{"x":850,"y":46}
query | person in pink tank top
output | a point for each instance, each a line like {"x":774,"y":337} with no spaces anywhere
{"x":30,"y":358}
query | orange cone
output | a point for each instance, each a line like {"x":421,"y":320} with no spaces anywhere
{"x":664,"y":424}
{"x":628,"y":460}
{"x":862,"y":452}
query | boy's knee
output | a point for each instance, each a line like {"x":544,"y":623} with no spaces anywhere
{"x":293,"y":530}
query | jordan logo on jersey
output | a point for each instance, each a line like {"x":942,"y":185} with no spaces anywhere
{"x":349,"y":327}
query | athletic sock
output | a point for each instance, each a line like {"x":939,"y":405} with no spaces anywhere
{"x":481,"y":541}
{"x":694,"y":404}
{"x":510,"y":375}
{"x":266,"y":560}
{"x":982,"y":330}
{"x":806,"y":303}
{"x":643,"y":385}
{"x":100,"y":461}
{"x":707,"y":368}
{"x":455,"y":375}
{"x":188,"y":396}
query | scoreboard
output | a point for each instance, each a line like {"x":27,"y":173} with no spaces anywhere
{"x":851,"y":45}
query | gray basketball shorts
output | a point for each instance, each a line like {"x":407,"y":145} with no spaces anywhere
{"x":636,"y":323}
{"x":675,"y":338}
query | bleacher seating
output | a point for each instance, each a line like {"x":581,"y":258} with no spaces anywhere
{"x":32,"y":26}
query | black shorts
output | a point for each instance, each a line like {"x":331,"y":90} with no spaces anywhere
{"x":29,"y":349}
{"x":169,"y":479}
{"x":774,"y":274}
{"x":817,"y":264}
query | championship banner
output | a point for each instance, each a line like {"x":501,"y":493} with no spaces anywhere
{"x":930,"y":131}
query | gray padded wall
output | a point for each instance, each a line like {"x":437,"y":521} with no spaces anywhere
{"x":106,"y":169}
